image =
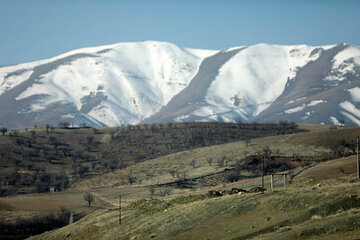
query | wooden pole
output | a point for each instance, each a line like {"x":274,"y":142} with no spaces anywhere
{"x":71,"y":220}
{"x":272,"y":181}
{"x":358,"y":163}
{"x":119,"y":209}
{"x":285,"y":179}
{"x":262,"y":176}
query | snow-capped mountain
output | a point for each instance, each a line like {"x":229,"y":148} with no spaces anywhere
{"x":142,"y":82}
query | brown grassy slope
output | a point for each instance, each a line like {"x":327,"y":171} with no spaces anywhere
{"x":157,"y":171}
{"x":330,"y":170}
{"x":35,"y":160}
{"x":298,"y":211}
{"x":107,"y":187}
{"x":323,"y":136}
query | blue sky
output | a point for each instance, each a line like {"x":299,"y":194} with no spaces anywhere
{"x":37,"y":29}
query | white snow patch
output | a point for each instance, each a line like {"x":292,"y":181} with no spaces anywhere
{"x":335,"y":121}
{"x":68,"y":116}
{"x":355,"y":94}
{"x":296,"y":109}
{"x":296,"y":100}
{"x":181,"y":118}
{"x":315,"y":102}
{"x":12,"y":81}
{"x":348,"y":106}
{"x":299,"y":56}
{"x":344,"y":63}
{"x":351,"y":118}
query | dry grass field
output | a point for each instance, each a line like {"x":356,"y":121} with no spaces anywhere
{"x":308,"y":209}
{"x":297,"y":211}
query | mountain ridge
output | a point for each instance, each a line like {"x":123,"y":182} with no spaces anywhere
{"x":140,"y":82}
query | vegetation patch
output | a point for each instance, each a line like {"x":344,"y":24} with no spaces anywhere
{"x":187,"y":199}
{"x":148,"y":206}
{"x":341,"y":204}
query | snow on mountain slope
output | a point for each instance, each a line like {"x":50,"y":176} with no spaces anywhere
{"x":116,"y":84}
{"x":345,"y":62}
{"x":129,"y":83}
{"x":253,"y":79}
{"x":323,"y":91}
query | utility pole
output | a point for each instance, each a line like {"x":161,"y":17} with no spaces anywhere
{"x":263,"y":173}
{"x":358,"y":163}
{"x":120,"y":209}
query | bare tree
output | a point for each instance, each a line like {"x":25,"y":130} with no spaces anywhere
{"x":247,"y":141}
{"x":172,"y":173}
{"x":209,"y":160}
{"x":152,"y":191}
{"x":48,"y":126}
{"x":3,"y":130}
{"x":64,"y":124}
{"x":182,"y":175}
{"x":131,"y":179}
{"x":89,"y":198}
{"x":221,"y":162}
{"x":89,"y":139}
{"x":33,"y":136}
{"x":193,"y":163}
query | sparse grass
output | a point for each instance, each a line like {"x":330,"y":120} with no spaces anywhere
{"x":286,"y":212}
{"x":292,"y":212}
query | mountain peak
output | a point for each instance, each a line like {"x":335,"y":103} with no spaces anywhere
{"x":126,"y":83}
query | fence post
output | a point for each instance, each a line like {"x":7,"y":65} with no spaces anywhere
{"x":272,"y":181}
{"x":285,"y":179}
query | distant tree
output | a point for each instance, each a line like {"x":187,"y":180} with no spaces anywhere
{"x":247,"y":141}
{"x":83,"y":169}
{"x":172,"y":173}
{"x":96,"y":131}
{"x":84,"y":125}
{"x":232,"y":177}
{"x":64,"y":124}
{"x":3,"y":130}
{"x":33,"y":136}
{"x":89,"y":140}
{"x":131,"y":179}
{"x":221,"y":162}
{"x":182,"y":175}
{"x":267,"y":151}
{"x":152,"y":191}
{"x":15,"y":132}
{"x":89,"y":198}
{"x":47,"y":126}
{"x":209,"y":160}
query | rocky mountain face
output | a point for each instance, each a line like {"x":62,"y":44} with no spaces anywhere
{"x":157,"y":82}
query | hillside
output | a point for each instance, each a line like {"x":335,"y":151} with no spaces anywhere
{"x":307,"y":209}
{"x":35,"y":160}
{"x":195,"y":172}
